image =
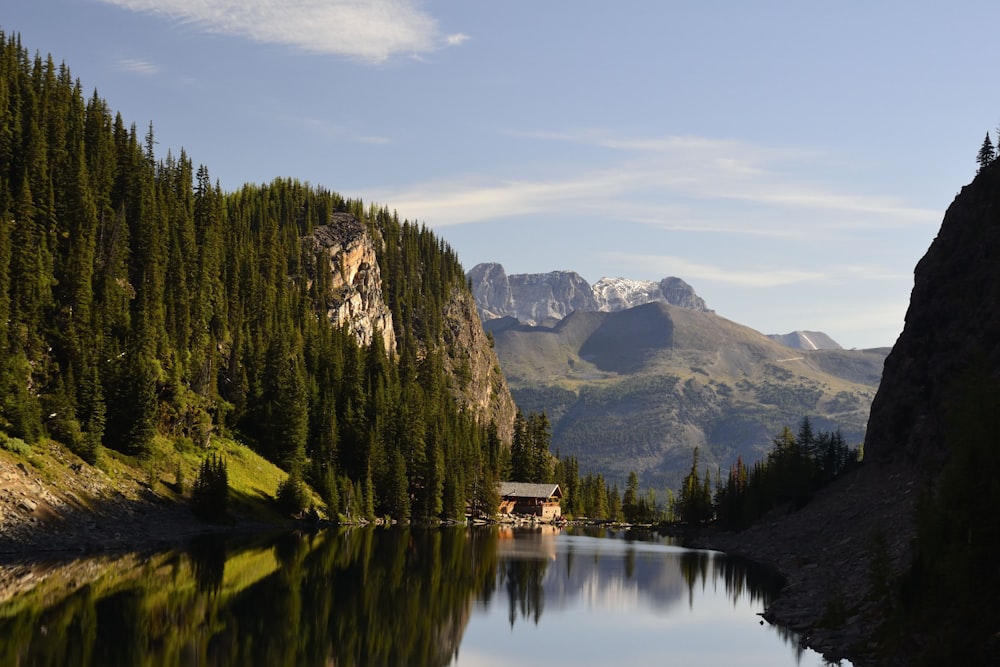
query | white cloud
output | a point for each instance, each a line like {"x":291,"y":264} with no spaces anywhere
{"x":694,"y":184}
{"x":697,"y":271}
{"x":138,"y":66}
{"x":371,"y":30}
{"x":727,"y":168}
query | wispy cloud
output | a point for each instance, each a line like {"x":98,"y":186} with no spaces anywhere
{"x":374,"y":30}
{"x":702,"y":272}
{"x":685,"y":183}
{"x":138,"y":66}
{"x":756,"y":274}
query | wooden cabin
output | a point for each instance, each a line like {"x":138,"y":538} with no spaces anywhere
{"x":541,"y":500}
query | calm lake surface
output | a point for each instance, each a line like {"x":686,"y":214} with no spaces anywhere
{"x":463,"y":597}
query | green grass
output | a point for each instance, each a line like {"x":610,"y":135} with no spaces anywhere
{"x":253,"y":480}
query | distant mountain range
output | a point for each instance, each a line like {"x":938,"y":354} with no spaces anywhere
{"x":539,"y":298}
{"x":545,"y":298}
{"x":634,"y":374}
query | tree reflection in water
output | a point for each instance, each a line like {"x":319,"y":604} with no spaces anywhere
{"x":362,"y":596}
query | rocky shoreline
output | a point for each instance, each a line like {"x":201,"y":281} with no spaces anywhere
{"x":830,"y":553}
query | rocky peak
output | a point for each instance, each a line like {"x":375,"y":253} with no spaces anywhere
{"x":614,"y":294}
{"x":491,"y":290}
{"x":542,"y":296}
{"x":356,"y":281}
{"x":533,"y":298}
{"x":530,"y":297}
{"x":678,"y":293}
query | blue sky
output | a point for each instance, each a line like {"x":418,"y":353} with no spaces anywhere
{"x":790,"y":160}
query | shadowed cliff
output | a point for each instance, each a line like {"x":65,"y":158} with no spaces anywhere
{"x":895,"y":564}
{"x":952,"y":328}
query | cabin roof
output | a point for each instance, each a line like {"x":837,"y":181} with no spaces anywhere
{"x":529,"y":490}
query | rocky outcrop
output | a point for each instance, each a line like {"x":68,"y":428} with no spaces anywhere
{"x":471,"y":360}
{"x":536,"y":298}
{"x":357,"y":300}
{"x":355,"y":279}
{"x":615,"y":294}
{"x":491,"y":290}
{"x":676,"y":292}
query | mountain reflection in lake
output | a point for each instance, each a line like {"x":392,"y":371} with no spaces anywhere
{"x":464,"y":597}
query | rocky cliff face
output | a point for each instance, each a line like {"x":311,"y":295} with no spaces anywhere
{"x":471,"y":360}
{"x":948,"y":350}
{"x":491,"y":290}
{"x":535,"y":298}
{"x":358,"y":301}
{"x":952,"y":329}
{"x":355,"y":278}
{"x":676,"y":292}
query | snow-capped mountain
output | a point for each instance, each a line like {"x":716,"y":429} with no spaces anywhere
{"x":533,"y":298}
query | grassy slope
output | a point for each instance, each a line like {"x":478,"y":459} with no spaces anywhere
{"x":61,"y":484}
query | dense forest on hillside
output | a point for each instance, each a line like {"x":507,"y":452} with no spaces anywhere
{"x":137,"y":300}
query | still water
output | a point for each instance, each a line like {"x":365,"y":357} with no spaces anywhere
{"x":460,"y":597}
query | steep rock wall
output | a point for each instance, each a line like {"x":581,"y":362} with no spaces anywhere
{"x":952,"y":330}
{"x":355,"y":278}
{"x":358,"y":301}
{"x":472,"y":361}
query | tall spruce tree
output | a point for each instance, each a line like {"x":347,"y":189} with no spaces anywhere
{"x":986,"y":154}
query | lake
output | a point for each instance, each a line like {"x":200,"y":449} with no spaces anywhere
{"x":462,"y":597}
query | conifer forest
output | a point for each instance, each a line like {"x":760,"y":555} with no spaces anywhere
{"x":138,"y":300}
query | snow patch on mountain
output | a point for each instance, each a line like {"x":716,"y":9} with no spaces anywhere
{"x":614,"y":294}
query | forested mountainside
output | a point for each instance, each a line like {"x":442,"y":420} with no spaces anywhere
{"x":139,"y":301}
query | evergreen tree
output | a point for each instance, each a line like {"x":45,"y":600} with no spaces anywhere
{"x":210,"y":496}
{"x":986,"y":154}
{"x":694,"y":504}
{"x":630,"y":502}
{"x":137,"y":298}
{"x":540,"y":438}
{"x":522,"y":460}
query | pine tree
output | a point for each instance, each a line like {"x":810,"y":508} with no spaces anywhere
{"x":986,"y":154}
{"x":540,"y":437}
{"x":694,"y":503}
{"x":210,"y":496}
{"x":630,"y":502}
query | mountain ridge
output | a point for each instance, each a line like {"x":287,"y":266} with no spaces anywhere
{"x":640,"y":388}
{"x":543,"y":298}
{"x":535,"y":298}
